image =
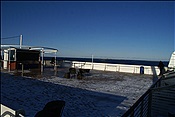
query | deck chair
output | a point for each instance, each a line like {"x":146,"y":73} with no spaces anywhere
{"x":52,"y":109}
{"x":72,"y":72}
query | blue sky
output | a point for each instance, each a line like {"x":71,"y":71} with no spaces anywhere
{"x":130,"y":30}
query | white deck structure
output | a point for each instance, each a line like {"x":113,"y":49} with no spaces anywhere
{"x":171,"y":64}
{"x":151,"y":70}
{"x":6,"y":111}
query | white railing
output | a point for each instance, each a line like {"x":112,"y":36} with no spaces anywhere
{"x":116,"y":67}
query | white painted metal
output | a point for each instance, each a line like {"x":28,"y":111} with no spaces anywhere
{"x":171,"y":64}
{"x":46,"y":49}
{"x":5,"y":59}
{"x":20,"y":41}
{"x":151,"y":70}
{"x":5,"y":109}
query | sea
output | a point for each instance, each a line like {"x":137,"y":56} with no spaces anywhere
{"x":111,"y":61}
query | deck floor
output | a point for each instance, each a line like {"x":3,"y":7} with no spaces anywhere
{"x":97,"y":94}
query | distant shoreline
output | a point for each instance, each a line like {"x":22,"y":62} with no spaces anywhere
{"x":113,"y":61}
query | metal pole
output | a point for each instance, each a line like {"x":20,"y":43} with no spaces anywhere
{"x":20,"y":41}
{"x":9,"y":58}
{"x":1,"y":60}
{"x":92,"y":61}
{"x":55,"y":65}
{"x":42,"y":60}
{"x":22,"y":69}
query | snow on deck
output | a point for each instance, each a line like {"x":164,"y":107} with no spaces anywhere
{"x":98,"y":94}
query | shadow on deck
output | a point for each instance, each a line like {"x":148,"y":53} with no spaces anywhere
{"x":31,"y":95}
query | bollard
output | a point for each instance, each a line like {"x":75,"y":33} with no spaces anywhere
{"x":141,"y":70}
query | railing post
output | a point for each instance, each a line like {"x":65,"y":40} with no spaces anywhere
{"x":141,"y":109}
{"x":22,"y":68}
{"x":149,"y":103}
{"x":160,"y":82}
{"x":132,"y":113}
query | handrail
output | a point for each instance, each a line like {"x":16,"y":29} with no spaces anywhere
{"x":147,"y":98}
{"x":164,"y":87}
{"x":138,"y":103}
{"x":118,"y":67}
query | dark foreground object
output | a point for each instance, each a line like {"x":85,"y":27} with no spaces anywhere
{"x":52,"y":109}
